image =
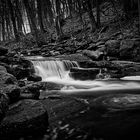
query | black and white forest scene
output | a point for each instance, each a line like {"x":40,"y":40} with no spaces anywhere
{"x":69,"y":69}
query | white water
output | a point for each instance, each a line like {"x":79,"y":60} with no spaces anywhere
{"x":58,"y":72}
{"x":54,"y":70}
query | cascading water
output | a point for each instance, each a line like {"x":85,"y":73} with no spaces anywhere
{"x":58,"y":72}
{"x":54,"y":69}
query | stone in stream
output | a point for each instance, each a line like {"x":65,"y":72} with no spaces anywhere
{"x":34,"y":78}
{"x":31,"y":91}
{"x":26,"y":117}
{"x":84,"y":73}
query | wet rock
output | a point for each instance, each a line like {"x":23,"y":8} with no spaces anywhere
{"x":31,"y":91}
{"x":6,"y":78}
{"x":12,"y":91}
{"x":3,"y":51}
{"x":94,"y":55}
{"x":84,"y":74}
{"x":113,"y":47}
{"x":51,"y":86}
{"x":26,"y":117}
{"x":3,"y":105}
{"x":34,"y":78}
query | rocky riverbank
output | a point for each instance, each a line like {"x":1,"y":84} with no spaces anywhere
{"x":26,"y":113}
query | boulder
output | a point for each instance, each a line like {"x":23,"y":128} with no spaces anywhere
{"x":51,"y":86}
{"x":130,"y":49}
{"x":21,"y":83}
{"x":4,"y":59}
{"x":31,"y":91}
{"x":3,"y":105}
{"x":19,"y":72}
{"x":126,"y":49}
{"x":26,"y":117}
{"x":34,"y":78}
{"x":113,"y":47}
{"x":6,"y":78}
{"x":84,"y":73}
{"x":3,"y":51}
{"x":12,"y":91}
{"x":94,"y":55}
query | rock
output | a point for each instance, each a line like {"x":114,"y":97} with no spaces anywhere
{"x":129,"y":49}
{"x":31,"y":91}
{"x":11,"y":54}
{"x":3,"y":51}
{"x":6,"y":78}
{"x":21,"y":83}
{"x":84,"y":74}
{"x":35,"y":51}
{"x":94,"y":55}
{"x":3,"y":69}
{"x":34,"y":78}
{"x":3,"y":105}
{"x":19,"y":72}
{"x":51,"y":86}
{"x":12,"y":91}
{"x":26,"y":117}
{"x":126,"y":49}
{"x":4,"y":59}
{"x":113,"y":47}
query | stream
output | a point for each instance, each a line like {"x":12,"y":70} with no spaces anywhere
{"x":58,"y":71}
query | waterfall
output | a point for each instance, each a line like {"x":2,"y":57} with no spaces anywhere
{"x":53,"y":69}
{"x":57,"y":71}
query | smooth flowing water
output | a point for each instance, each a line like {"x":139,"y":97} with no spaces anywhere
{"x":57,"y":71}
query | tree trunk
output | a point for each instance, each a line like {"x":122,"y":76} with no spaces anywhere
{"x":40,"y":19}
{"x":93,"y":22}
{"x":58,"y":26}
{"x":13,"y":19}
{"x":31,"y":17}
{"x":98,"y":13}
